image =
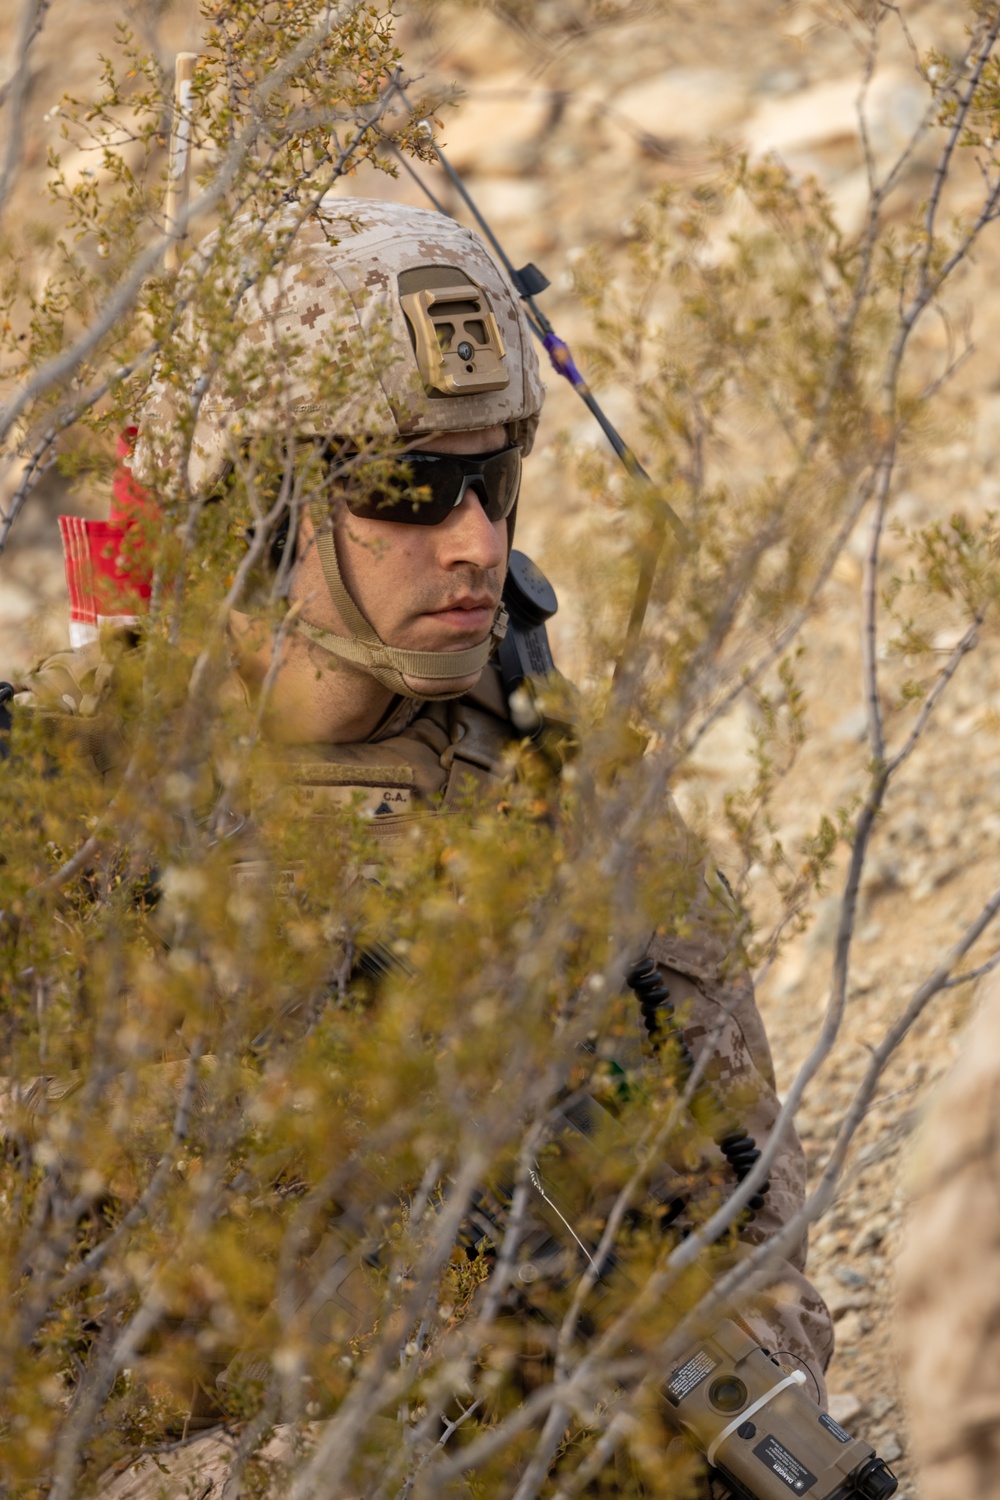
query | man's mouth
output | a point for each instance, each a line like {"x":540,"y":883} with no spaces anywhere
{"x":470,"y":613}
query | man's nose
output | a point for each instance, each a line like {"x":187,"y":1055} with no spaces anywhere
{"x":469,"y":536}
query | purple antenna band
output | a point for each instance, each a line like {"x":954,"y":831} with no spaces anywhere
{"x":562,"y":360}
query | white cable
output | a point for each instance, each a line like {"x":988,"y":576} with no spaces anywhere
{"x":797,"y":1377}
{"x":536,"y":1183}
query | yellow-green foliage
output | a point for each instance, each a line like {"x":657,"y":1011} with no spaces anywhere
{"x":213,"y":1115}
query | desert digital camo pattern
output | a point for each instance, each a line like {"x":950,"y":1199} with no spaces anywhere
{"x":713,"y":998}
{"x":332,"y":304}
{"x":334,"y":297}
{"x":948,"y":1325}
{"x":432,"y":758}
{"x":450,"y":746}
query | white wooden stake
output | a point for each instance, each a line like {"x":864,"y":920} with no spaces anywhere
{"x":180,"y":155}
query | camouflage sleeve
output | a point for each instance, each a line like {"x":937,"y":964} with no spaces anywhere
{"x":948,"y":1276}
{"x":701,"y":960}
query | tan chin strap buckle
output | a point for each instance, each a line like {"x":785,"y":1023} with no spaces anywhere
{"x":388,"y":663}
{"x":365,"y":648}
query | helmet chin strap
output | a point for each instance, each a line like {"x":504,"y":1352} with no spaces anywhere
{"x":365,"y":648}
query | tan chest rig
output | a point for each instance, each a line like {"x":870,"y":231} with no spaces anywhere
{"x":448,"y":751}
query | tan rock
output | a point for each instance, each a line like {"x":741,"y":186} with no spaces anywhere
{"x":474,"y":42}
{"x":692,"y":103}
{"x":850,"y":1330}
{"x":843,"y":1302}
{"x":850,"y":199}
{"x":828,"y":112}
{"x":490,"y":127}
{"x":506,"y":201}
{"x":948,"y":1328}
{"x":890,"y":1448}
{"x":845,"y":1408}
{"x":870,"y":1234}
{"x":199,"y":1468}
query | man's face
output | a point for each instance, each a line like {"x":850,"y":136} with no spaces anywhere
{"x":429,"y":588}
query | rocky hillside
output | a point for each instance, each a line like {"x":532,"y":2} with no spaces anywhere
{"x":562,"y":126}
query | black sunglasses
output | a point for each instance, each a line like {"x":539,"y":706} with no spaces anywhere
{"x":426,"y":487}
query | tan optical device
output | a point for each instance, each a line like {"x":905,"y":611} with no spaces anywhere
{"x":757,"y":1427}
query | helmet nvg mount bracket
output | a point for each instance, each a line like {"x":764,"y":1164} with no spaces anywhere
{"x":455,"y":336}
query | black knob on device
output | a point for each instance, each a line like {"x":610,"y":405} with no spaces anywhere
{"x":529,"y":280}
{"x":875,"y":1480}
{"x":527,"y":592}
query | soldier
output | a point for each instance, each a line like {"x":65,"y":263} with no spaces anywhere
{"x":388,"y":680}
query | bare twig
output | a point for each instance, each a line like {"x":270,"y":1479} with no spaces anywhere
{"x":962,"y":648}
{"x":62,"y":365}
{"x":42,"y":456}
{"x":95,"y":1258}
{"x":17,"y":91}
{"x":982,"y":57}
{"x":869,"y":616}
{"x":867,"y":73}
{"x":971,"y":975}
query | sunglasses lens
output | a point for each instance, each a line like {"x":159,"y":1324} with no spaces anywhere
{"x":501,"y":482}
{"x":417,"y":498}
{"x":428,"y":486}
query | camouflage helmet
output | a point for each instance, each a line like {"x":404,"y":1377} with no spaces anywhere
{"x":408,"y":306}
{"x":360,"y":318}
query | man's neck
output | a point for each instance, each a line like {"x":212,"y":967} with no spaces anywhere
{"x":314,"y":698}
